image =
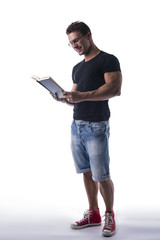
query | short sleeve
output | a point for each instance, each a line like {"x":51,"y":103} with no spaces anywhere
{"x":110,"y":64}
{"x":75,"y":71}
{"x":73,"y":75}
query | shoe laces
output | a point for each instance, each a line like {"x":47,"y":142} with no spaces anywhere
{"x":108,"y":221}
{"x":86,"y":216}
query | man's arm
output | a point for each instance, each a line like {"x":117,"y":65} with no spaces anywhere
{"x":111,"y":88}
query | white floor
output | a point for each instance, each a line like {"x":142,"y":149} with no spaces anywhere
{"x":129,"y":227}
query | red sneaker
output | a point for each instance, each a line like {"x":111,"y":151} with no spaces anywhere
{"x":91,"y":218}
{"x":110,"y":225}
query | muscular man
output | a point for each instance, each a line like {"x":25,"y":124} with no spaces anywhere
{"x":96,"y":79}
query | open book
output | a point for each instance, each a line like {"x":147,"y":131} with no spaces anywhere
{"x":50,"y":85}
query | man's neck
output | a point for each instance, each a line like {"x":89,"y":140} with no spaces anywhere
{"x":93,"y":52}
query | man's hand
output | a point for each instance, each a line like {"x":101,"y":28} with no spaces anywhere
{"x":63,"y":100}
{"x":73,"y":97}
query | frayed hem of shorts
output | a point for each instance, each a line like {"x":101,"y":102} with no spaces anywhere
{"x":84,"y":170}
{"x":101,"y":179}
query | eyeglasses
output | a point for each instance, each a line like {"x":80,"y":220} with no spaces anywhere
{"x":75,"y":41}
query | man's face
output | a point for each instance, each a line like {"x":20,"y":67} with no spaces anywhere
{"x":80,"y":42}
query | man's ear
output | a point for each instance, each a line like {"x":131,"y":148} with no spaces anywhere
{"x":89,"y":35}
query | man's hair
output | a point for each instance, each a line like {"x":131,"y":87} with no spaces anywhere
{"x":78,"y":26}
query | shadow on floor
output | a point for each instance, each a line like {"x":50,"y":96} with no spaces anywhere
{"x":56,"y":229}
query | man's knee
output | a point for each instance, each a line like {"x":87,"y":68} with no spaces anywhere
{"x":88,"y":174}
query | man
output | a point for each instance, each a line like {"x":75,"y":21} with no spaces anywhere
{"x":96,"y":79}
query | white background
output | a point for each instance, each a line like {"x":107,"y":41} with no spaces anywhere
{"x":37,"y":175}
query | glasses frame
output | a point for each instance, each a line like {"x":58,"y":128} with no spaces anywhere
{"x":70,"y":44}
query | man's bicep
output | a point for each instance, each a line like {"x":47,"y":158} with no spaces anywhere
{"x":74,"y":88}
{"x":114,"y":79}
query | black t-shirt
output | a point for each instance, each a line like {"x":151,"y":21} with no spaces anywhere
{"x":89,"y":76}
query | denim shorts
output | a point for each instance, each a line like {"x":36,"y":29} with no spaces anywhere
{"x":89,"y":145}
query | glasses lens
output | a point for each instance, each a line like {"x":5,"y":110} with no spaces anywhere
{"x":75,"y":41}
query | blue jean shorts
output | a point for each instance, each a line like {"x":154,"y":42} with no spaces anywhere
{"x":89,"y":145}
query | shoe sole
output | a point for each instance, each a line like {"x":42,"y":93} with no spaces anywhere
{"x":85,"y":226}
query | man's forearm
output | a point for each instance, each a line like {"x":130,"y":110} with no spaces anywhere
{"x":101,"y":94}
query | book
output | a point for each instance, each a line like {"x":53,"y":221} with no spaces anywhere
{"x":50,"y":85}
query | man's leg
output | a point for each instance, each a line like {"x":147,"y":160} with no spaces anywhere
{"x":91,"y":190}
{"x":107,"y":192}
{"x":106,"y":189}
{"x":92,"y":216}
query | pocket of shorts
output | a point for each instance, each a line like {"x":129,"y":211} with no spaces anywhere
{"x":98,"y":128}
